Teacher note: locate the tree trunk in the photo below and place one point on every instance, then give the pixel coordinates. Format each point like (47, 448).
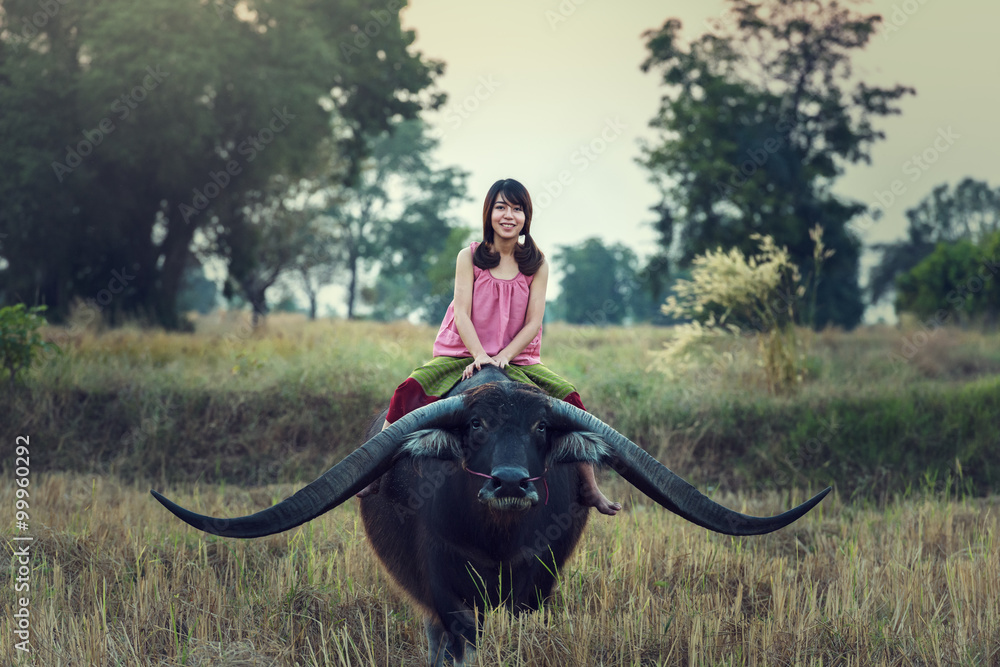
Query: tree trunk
(257, 318)
(255, 290)
(353, 284)
(311, 293)
(167, 281)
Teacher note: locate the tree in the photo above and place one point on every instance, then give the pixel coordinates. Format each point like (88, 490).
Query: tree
(970, 210)
(956, 283)
(263, 243)
(417, 271)
(393, 223)
(129, 129)
(319, 260)
(756, 127)
(280, 233)
(599, 283)
(395, 220)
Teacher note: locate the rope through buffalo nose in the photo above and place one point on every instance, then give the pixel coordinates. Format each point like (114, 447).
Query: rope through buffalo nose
(545, 482)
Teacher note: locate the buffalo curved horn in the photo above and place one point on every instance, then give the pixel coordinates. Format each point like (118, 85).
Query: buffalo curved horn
(668, 489)
(353, 473)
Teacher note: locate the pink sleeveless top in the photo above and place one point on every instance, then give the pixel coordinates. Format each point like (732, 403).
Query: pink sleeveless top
(499, 309)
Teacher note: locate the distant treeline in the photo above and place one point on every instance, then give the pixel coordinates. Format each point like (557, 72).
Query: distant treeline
(161, 156)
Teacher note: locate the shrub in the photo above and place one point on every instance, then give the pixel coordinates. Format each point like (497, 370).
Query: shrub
(20, 340)
(732, 294)
(957, 283)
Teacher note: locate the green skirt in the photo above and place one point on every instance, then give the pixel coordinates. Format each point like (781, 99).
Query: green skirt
(435, 378)
(440, 374)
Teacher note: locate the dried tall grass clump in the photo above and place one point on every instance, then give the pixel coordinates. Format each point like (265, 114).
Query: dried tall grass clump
(732, 294)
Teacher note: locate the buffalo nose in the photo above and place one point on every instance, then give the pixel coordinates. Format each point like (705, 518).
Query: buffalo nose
(510, 481)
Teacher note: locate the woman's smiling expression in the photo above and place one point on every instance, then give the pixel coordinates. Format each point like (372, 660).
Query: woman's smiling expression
(508, 219)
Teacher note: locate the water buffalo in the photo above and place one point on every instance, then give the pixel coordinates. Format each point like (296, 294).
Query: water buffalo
(478, 507)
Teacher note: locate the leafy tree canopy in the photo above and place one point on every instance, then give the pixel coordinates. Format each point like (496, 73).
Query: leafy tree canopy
(396, 220)
(970, 210)
(599, 284)
(263, 242)
(757, 124)
(957, 283)
(131, 131)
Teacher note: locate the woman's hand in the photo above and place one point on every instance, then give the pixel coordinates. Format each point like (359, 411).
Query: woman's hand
(502, 360)
(477, 363)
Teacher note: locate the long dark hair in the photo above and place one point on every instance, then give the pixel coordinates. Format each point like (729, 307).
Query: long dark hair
(527, 254)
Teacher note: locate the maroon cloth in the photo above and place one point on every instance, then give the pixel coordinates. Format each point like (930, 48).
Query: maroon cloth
(574, 400)
(410, 395)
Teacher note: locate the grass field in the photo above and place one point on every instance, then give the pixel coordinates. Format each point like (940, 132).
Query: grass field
(906, 572)
(116, 580)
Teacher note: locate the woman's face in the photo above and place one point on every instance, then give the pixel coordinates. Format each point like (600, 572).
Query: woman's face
(508, 219)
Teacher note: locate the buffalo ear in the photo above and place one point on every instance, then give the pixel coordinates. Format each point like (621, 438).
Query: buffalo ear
(433, 443)
(577, 446)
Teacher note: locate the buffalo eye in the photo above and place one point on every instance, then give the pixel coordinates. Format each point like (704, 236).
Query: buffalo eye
(476, 424)
(541, 427)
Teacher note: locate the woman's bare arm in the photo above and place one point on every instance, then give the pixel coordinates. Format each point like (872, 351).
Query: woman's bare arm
(532, 318)
(464, 279)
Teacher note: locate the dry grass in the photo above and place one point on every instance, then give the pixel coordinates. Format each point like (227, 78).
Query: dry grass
(116, 580)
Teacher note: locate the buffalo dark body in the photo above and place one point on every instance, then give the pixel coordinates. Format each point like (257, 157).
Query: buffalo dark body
(452, 553)
(478, 503)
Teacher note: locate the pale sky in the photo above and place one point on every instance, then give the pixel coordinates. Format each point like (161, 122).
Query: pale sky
(548, 90)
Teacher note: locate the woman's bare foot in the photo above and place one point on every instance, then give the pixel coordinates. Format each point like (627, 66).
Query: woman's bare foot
(591, 493)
